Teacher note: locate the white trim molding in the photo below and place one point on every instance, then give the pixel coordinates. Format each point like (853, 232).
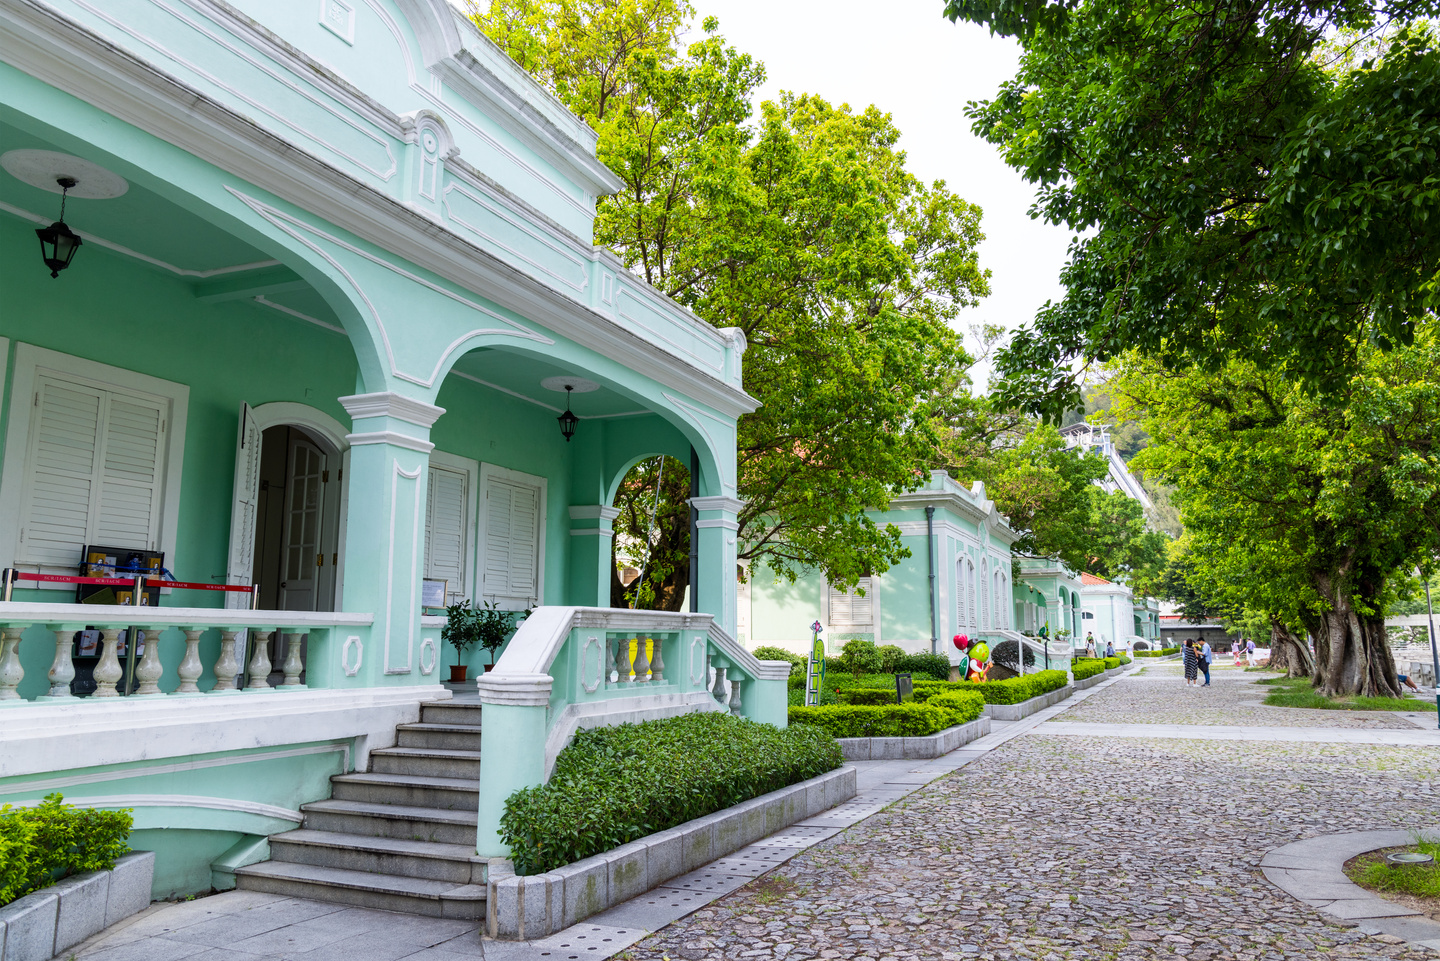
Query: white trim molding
(394, 438)
(390, 404)
(721, 503)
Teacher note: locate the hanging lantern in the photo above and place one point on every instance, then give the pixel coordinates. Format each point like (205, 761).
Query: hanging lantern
(567, 420)
(58, 242)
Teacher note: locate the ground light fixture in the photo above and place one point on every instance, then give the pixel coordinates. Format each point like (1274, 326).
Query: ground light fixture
(567, 420)
(58, 242)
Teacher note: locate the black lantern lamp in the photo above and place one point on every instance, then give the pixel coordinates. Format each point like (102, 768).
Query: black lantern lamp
(568, 420)
(58, 242)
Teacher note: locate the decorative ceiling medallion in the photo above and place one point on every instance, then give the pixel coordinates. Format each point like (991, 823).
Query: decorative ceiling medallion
(578, 385)
(44, 168)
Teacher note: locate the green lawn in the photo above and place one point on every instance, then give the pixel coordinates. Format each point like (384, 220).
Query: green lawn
(1420, 880)
(1296, 692)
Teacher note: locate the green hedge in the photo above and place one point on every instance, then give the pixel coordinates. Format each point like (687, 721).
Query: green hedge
(614, 785)
(53, 840)
(797, 663)
(865, 695)
(1009, 691)
(1083, 667)
(1112, 662)
(1163, 652)
(893, 720)
(1125, 659)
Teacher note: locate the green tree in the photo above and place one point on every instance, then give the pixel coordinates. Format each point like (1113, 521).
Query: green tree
(652, 534)
(1301, 507)
(1240, 187)
(806, 232)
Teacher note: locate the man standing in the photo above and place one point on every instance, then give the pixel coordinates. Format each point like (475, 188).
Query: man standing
(1206, 656)
(1250, 651)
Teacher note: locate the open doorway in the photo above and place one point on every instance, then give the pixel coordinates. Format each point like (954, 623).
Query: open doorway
(297, 521)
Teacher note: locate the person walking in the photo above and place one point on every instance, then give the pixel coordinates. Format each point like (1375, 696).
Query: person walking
(1089, 645)
(1250, 651)
(1109, 648)
(1235, 650)
(1191, 662)
(1206, 655)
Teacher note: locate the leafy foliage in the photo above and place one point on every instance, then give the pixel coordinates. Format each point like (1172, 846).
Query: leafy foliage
(797, 663)
(1012, 690)
(866, 695)
(652, 532)
(614, 785)
(1084, 668)
(892, 720)
(48, 842)
(860, 657)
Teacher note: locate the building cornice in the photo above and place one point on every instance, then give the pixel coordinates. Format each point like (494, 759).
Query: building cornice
(68, 56)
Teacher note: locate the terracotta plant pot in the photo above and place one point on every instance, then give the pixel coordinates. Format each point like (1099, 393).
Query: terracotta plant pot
(489, 668)
(457, 674)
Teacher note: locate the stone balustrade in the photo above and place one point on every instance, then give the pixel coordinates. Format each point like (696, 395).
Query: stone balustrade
(243, 663)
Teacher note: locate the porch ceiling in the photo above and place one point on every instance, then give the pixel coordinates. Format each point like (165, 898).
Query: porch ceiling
(520, 375)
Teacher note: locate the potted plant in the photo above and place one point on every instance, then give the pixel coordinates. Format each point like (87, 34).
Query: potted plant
(495, 626)
(462, 630)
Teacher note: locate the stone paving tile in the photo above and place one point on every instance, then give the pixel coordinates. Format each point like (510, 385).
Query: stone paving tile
(1079, 849)
(1156, 697)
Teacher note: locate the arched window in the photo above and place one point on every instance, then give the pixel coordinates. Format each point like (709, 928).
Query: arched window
(984, 593)
(960, 582)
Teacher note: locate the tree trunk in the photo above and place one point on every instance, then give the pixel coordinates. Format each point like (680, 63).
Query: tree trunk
(1353, 653)
(1288, 651)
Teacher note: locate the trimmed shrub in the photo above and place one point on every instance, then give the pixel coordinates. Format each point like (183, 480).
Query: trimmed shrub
(1005, 653)
(769, 653)
(966, 705)
(935, 665)
(865, 695)
(890, 655)
(860, 657)
(1125, 659)
(891, 720)
(1009, 691)
(1083, 667)
(53, 840)
(1112, 662)
(614, 785)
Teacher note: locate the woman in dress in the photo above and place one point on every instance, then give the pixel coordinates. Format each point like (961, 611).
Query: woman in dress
(1192, 662)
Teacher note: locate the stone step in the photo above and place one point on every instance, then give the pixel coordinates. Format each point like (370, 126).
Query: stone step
(436, 899)
(450, 737)
(426, 762)
(456, 863)
(454, 711)
(368, 819)
(455, 794)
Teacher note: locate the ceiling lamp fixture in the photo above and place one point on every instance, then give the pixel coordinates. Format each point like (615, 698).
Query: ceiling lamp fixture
(567, 420)
(58, 242)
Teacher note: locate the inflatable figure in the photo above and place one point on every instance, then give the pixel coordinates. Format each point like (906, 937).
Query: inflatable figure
(979, 662)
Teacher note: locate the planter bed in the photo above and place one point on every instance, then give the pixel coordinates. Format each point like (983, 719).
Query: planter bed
(1014, 712)
(539, 905)
(1089, 682)
(52, 920)
(935, 745)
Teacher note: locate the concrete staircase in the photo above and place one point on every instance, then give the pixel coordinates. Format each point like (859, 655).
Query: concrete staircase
(400, 837)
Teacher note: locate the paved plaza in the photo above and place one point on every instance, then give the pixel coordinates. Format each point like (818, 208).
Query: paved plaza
(1070, 835)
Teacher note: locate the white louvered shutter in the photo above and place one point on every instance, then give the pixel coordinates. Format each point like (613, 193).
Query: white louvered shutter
(95, 472)
(512, 543)
(849, 609)
(445, 524)
(240, 568)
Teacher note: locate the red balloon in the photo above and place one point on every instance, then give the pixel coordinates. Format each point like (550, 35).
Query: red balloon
(961, 641)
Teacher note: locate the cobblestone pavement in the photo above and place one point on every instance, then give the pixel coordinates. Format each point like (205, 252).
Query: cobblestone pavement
(1071, 848)
(1159, 696)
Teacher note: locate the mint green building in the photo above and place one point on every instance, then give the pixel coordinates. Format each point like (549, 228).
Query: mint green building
(334, 293)
(953, 532)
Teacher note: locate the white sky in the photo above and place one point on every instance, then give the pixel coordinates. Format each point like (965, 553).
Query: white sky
(909, 61)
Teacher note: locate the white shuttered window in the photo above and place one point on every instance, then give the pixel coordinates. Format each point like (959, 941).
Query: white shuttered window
(849, 609)
(446, 524)
(94, 471)
(513, 521)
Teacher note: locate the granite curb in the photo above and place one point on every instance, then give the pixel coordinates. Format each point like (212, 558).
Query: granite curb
(1313, 871)
(52, 920)
(906, 748)
(537, 906)
(1014, 712)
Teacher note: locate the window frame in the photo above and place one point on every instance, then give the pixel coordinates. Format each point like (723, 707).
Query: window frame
(30, 361)
(471, 469)
(496, 472)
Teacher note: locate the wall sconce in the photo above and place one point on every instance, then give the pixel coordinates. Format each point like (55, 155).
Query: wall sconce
(58, 242)
(567, 420)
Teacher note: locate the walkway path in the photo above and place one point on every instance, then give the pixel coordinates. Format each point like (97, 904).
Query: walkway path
(1115, 832)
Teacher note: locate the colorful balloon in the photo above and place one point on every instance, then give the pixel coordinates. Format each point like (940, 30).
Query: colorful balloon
(961, 641)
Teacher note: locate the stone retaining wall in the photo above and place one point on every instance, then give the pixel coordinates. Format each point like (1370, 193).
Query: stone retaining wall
(896, 748)
(1014, 712)
(541, 904)
(52, 920)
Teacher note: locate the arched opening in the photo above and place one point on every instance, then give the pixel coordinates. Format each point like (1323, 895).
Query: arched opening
(651, 552)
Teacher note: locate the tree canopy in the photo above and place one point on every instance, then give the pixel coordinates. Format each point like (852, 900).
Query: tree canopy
(1241, 186)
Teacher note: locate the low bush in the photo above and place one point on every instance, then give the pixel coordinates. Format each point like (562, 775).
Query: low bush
(1083, 667)
(768, 653)
(1125, 659)
(1113, 662)
(945, 709)
(53, 840)
(865, 695)
(933, 665)
(613, 785)
(860, 657)
(1009, 691)
(890, 655)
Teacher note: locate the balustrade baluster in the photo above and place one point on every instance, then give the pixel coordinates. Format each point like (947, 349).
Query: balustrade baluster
(718, 690)
(190, 668)
(642, 663)
(107, 669)
(148, 671)
(612, 672)
(657, 664)
(11, 671)
(259, 662)
(735, 696)
(62, 670)
(623, 660)
(226, 666)
(293, 665)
